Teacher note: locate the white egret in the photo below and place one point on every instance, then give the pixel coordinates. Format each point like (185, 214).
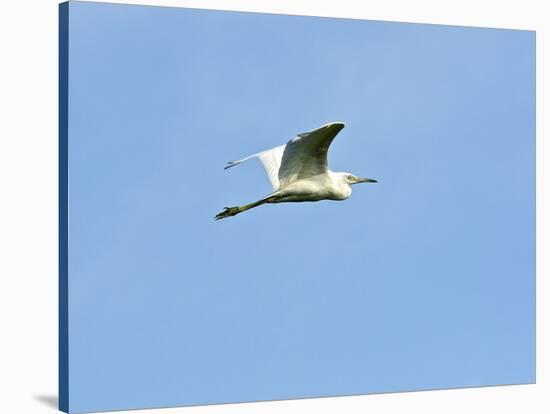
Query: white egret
(299, 171)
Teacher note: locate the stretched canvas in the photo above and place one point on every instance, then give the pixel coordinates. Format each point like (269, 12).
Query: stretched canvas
(422, 280)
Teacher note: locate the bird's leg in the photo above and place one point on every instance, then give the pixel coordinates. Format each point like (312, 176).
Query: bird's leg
(233, 211)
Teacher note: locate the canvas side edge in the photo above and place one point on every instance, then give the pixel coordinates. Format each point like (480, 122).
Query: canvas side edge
(63, 385)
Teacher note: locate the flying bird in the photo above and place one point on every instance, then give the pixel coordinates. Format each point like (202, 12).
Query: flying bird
(298, 171)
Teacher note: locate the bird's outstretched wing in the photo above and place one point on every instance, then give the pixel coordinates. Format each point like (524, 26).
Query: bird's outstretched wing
(271, 160)
(306, 155)
(303, 156)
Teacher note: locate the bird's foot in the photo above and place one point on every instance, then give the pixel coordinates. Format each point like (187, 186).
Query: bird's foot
(228, 212)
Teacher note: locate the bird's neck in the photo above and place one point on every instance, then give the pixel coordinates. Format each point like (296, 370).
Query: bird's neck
(341, 184)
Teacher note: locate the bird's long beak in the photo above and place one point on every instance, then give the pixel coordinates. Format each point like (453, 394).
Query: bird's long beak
(365, 180)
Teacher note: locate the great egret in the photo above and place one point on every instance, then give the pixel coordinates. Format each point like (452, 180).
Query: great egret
(298, 171)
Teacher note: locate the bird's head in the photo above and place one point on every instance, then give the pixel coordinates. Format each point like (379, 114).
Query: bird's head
(353, 179)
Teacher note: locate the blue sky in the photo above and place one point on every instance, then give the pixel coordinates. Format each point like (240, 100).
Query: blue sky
(425, 280)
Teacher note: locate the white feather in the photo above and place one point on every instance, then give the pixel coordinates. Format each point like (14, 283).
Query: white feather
(270, 159)
(302, 157)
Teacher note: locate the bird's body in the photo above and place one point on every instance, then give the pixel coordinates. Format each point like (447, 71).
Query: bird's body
(298, 171)
(327, 186)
